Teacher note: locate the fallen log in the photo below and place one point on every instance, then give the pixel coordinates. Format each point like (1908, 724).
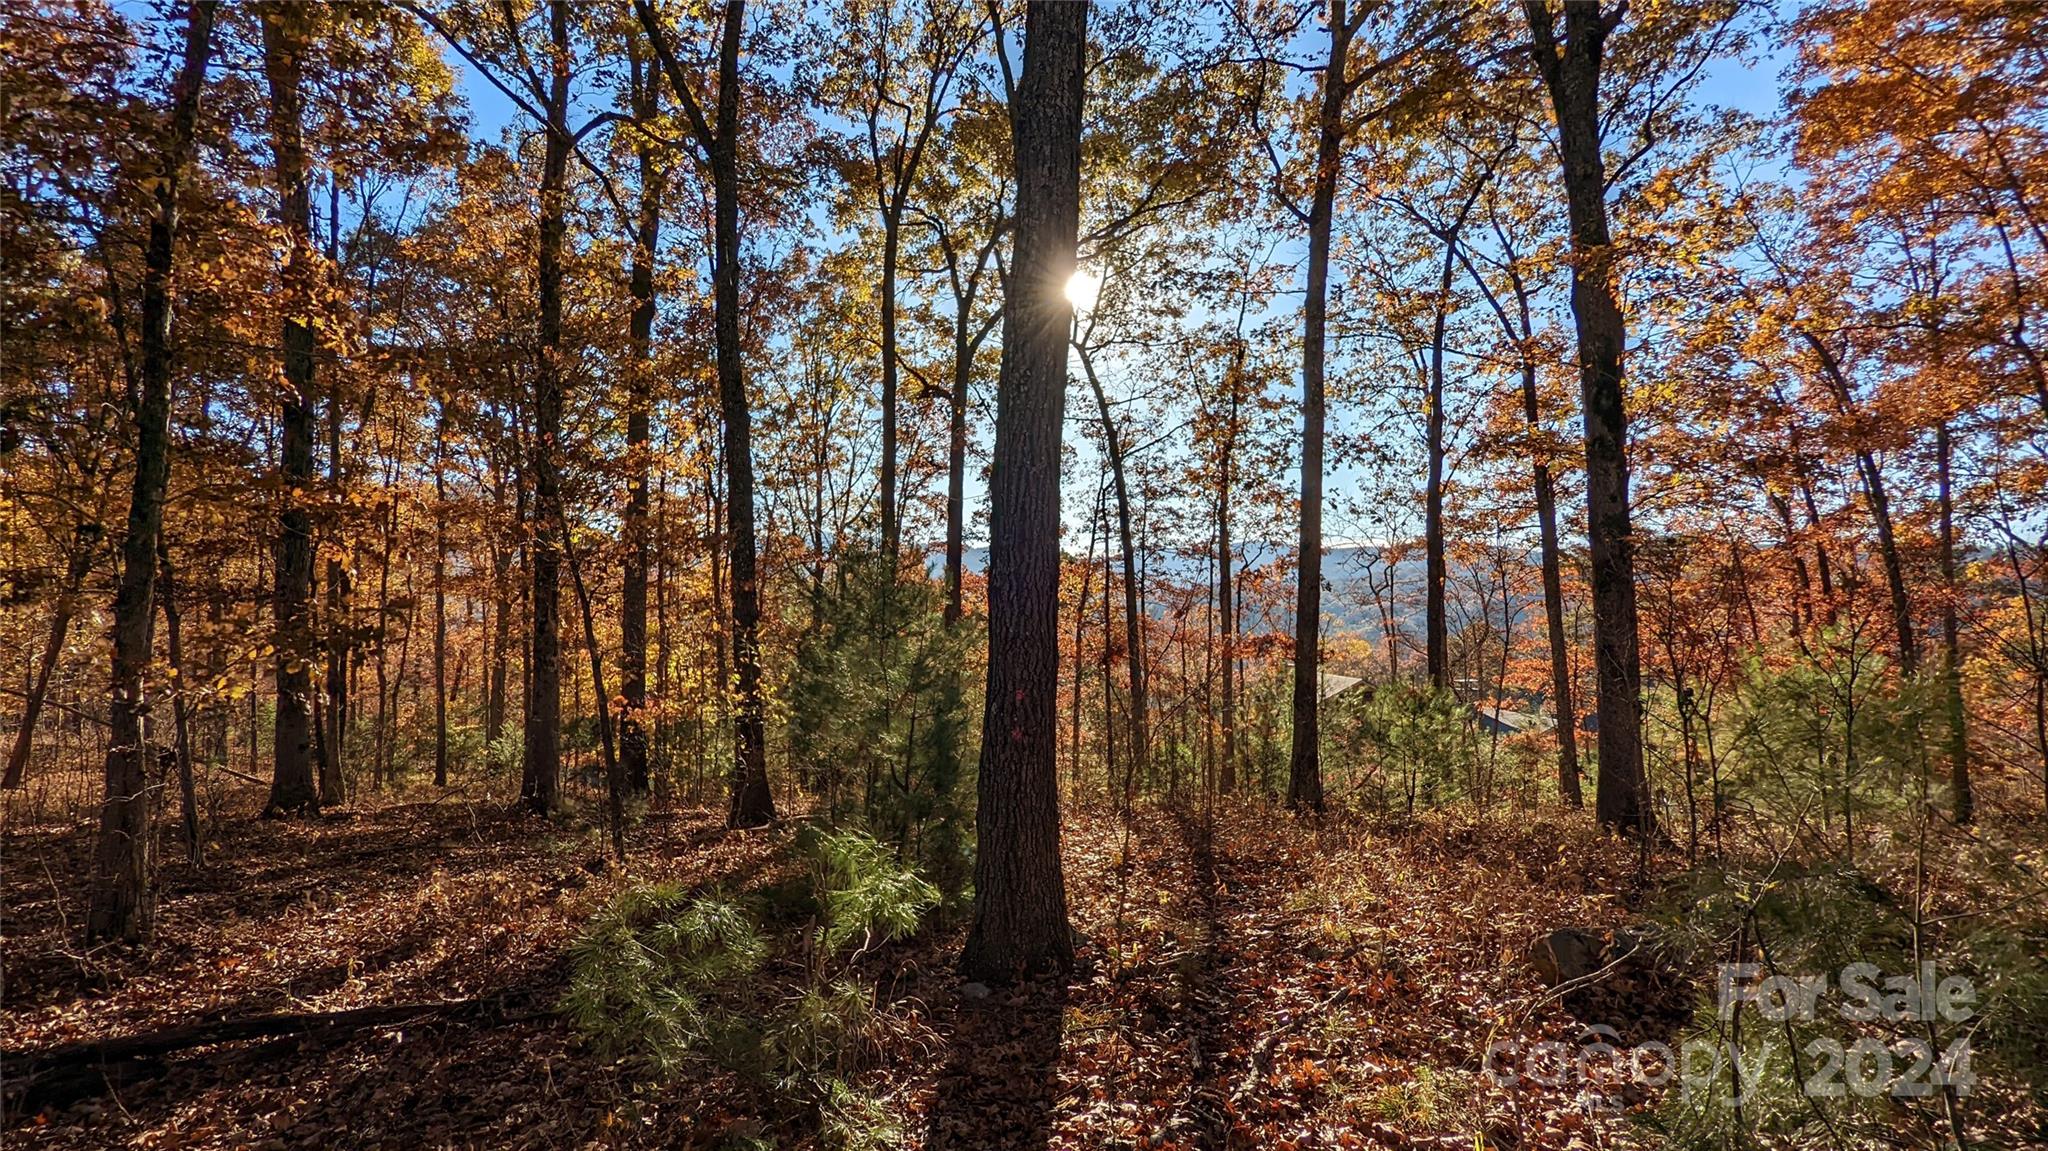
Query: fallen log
(59, 1075)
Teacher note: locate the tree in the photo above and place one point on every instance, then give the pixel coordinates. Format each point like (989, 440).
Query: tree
(644, 92)
(1570, 70)
(965, 214)
(1332, 127)
(1520, 333)
(1305, 759)
(717, 145)
(121, 904)
(293, 789)
(1020, 902)
(907, 61)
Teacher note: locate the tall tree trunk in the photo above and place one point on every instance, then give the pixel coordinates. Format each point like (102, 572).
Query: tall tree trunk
(1436, 621)
(753, 803)
(121, 905)
(1305, 758)
(1080, 666)
(1226, 573)
(956, 469)
(967, 341)
(501, 633)
(892, 524)
(540, 777)
(1571, 73)
(333, 783)
(1134, 634)
(84, 542)
(441, 600)
(1550, 557)
(1020, 898)
(293, 788)
(646, 84)
(1553, 613)
(1951, 662)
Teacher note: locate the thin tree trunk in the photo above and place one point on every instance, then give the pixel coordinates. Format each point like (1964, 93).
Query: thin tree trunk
(1305, 758)
(1571, 73)
(1134, 635)
(956, 474)
(1965, 804)
(1549, 552)
(122, 907)
(1436, 623)
(614, 770)
(181, 707)
(753, 803)
(294, 789)
(441, 600)
(967, 341)
(501, 636)
(1020, 903)
(1226, 571)
(892, 526)
(1879, 502)
(333, 782)
(541, 772)
(646, 85)
(1080, 667)
(85, 542)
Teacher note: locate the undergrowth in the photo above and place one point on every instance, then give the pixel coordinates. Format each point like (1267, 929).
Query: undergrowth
(663, 977)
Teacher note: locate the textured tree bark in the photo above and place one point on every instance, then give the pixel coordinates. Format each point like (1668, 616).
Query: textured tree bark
(121, 905)
(646, 84)
(293, 788)
(541, 768)
(1571, 73)
(1020, 899)
(1305, 757)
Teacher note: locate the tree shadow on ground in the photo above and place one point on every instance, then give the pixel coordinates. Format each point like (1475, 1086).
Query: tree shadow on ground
(1207, 996)
(1001, 1085)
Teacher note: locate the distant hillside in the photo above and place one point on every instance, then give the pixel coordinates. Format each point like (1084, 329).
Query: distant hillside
(1347, 595)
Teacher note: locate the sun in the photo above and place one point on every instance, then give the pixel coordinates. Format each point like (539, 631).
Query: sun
(1083, 288)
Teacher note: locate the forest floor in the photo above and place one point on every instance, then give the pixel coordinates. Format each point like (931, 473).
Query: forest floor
(1269, 984)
